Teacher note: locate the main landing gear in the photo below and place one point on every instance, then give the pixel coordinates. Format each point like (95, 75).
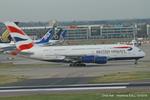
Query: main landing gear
(77, 64)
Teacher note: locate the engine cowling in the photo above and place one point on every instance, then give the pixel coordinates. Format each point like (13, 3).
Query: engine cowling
(94, 59)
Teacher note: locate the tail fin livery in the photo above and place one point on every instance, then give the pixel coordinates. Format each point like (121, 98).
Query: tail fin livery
(21, 40)
(63, 34)
(59, 34)
(45, 38)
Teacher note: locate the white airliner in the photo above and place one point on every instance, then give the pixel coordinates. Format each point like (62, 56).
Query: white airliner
(76, 55)
(7, 46)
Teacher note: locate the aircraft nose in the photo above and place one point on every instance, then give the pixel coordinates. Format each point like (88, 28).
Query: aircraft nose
(144, 53)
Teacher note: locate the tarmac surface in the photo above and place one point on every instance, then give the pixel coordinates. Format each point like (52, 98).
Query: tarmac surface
(46, 89)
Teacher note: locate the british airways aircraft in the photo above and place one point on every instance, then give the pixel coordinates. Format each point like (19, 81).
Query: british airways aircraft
(76, 55)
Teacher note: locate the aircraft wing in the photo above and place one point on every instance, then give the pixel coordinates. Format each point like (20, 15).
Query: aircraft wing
(73, 58)
(7, 49)
(86, 58)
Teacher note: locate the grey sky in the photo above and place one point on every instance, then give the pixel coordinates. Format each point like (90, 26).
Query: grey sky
(69, 10)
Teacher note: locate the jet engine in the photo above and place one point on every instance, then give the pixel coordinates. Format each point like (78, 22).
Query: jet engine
(94, 59)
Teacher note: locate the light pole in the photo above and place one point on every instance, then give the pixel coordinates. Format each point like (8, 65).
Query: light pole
(135, 32)
(148, 30)
(101, 30)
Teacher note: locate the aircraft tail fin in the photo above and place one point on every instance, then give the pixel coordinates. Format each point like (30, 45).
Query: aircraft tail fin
(22, 41)
(63, 34)
(59, 34)
(46, 37)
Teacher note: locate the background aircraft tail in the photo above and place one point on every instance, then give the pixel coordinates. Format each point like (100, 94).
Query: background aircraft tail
(63, 34)
(21, 40)
(48, 36)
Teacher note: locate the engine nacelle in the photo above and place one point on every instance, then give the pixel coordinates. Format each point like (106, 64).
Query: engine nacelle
(94, 59)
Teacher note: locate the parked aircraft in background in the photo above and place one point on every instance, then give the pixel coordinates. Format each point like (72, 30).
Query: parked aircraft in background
(49, 38)
(7, 46)
(11, 46)
(45, 39)
(58, 37)
(76, 55)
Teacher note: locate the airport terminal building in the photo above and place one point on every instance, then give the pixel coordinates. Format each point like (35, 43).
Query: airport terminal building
(100, 32)
(88, 31)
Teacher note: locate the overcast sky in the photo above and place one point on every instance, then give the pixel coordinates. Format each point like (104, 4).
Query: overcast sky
(70, 10)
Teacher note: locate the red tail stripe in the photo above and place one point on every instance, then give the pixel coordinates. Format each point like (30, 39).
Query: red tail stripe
(16, 30)
(25, 46)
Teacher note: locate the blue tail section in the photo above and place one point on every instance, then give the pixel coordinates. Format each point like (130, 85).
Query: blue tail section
(50, 35)
(63, 34)
(44, 40)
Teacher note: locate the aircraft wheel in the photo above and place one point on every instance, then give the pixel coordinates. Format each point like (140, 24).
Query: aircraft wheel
(77, 64)
(136, 61)
(82, 64)
(71, 64)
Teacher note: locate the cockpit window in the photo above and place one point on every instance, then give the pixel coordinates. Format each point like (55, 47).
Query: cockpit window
(130, 49)
(140, 50)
